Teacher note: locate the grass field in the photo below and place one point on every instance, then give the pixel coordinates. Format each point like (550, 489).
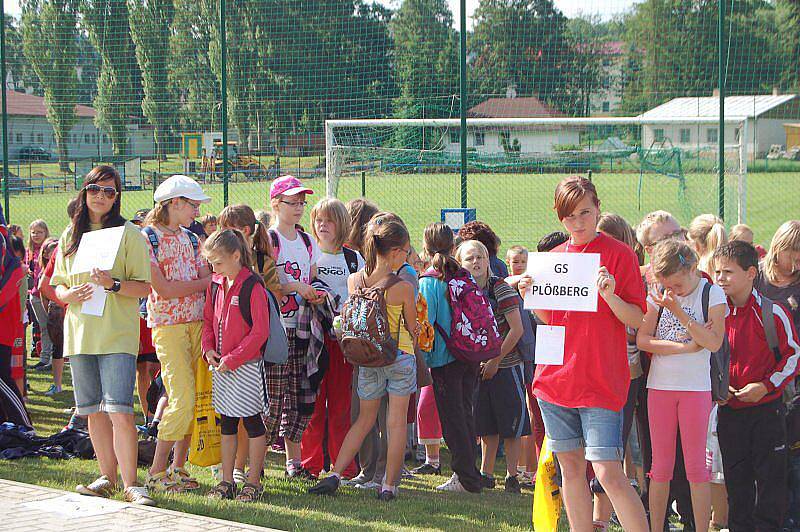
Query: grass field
(517, 206)
(287, 506)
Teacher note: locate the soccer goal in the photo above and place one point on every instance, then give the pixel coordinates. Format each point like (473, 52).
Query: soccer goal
(513, 164)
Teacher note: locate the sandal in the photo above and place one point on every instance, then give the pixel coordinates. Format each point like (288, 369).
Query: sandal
(250, 493)
(223, 490)
(182, 477)
(161, 482)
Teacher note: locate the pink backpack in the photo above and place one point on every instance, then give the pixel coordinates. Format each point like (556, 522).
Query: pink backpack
(473, 336)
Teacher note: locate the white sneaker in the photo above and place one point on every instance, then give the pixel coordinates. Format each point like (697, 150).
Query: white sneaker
(452, 485)
(138, 495)
(369, 485)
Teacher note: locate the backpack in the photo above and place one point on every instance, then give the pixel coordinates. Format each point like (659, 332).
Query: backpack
(720, 359)
(526, 346)
(351, 259)
(366, 338)
(276, 243)
(427, 333)
(153, 238)
(473, 335)
(276, 348)
(768, 320)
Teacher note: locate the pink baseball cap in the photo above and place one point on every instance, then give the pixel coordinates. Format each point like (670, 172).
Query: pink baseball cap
(287, 185)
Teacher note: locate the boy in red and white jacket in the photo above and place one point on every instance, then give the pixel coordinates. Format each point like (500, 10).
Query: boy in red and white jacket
(751, 427)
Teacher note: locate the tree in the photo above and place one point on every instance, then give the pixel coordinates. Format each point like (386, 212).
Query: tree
(524, 43)
(17, 66)
(118, 86)
(151, 23)
(49, 37)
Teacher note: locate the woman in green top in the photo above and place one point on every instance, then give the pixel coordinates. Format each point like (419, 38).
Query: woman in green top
(102, 349)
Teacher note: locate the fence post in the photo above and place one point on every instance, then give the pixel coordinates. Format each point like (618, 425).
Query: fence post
(721, 138)
(363, 184)
(4, 109)
(463, 103)
(224, 60)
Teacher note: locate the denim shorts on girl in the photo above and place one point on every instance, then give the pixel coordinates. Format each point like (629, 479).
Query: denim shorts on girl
(103, 383)
(597, 430)
(398, 378)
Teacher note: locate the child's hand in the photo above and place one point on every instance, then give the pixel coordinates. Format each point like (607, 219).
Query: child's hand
(666, 300)
(307, 292)
(606, 284)
(222, 366)
(751, 393)
(524, 284)
(489, 369)
(212, 357)
(78, 294)
(321, 295)
(102, 278)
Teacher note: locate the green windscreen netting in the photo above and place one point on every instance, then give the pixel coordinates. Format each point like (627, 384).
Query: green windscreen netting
(139, 84)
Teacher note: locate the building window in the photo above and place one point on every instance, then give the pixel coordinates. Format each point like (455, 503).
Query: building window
(659, 135)
(455, 136)
(87, 139)
(19, 138)
(686, 136)
(606, 82)
(105, 138)
(712, 134)
(606, 62)
(480, 139)
(39, 138)
(606, 107)
(30, 137)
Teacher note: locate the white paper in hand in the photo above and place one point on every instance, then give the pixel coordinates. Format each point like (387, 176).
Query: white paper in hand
(97, 304)
(98, 249)
(550, 345)
(563, 281)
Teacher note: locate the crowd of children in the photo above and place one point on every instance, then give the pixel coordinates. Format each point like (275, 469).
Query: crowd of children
(381, 343)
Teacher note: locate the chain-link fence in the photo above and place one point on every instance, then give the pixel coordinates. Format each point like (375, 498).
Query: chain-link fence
(236, 92)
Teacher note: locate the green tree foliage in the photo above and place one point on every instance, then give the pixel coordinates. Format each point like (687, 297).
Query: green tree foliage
(524, 43)
(151, 23)
(49, 38)
(118, 98)
(17, 66)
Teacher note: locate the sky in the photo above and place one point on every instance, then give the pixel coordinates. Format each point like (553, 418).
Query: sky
(605, 8)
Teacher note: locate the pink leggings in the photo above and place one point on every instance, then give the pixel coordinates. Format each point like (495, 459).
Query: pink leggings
(428, 427)
(667, 411)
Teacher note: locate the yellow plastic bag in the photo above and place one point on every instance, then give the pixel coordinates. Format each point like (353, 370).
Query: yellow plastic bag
(546, 494)
(204, 449)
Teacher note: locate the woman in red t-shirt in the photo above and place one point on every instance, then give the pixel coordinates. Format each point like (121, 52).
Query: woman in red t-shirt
(582, 399)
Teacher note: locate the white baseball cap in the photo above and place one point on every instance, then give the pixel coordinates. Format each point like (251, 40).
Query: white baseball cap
(180, 186)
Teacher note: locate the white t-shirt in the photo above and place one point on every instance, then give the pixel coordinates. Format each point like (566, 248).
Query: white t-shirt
(294, 264)
(690, 372)
(334, 271)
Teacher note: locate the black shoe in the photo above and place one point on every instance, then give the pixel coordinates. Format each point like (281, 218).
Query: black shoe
(45, 368)
(326, 486)
(512, 485)
(488, 481)
(299, 473)
(427, 469)
(386, 496)
(37, 365)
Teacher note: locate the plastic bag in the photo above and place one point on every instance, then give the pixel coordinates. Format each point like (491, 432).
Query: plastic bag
(204, 449)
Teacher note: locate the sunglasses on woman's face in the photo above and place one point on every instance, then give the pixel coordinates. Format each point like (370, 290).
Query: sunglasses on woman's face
(108, 192)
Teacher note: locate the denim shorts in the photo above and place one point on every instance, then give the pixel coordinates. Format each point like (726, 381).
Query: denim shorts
(398, 378)
(103, 383)
(597, 430)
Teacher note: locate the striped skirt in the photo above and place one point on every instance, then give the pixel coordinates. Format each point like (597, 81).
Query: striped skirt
(239, 393)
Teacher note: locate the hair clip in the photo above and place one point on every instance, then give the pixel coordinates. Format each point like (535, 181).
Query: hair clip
(683, 260)
(257, 223)
(378, 220)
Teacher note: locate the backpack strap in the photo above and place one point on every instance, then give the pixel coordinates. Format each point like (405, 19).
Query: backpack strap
(770, 331)
(705, 298)
(276, 242)
(153, 238)
(193, 239)
(351, 259)
(360, 281)
(260, 261)
(245, 295)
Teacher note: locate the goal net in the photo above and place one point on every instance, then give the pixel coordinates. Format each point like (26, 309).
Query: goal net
(413, 167)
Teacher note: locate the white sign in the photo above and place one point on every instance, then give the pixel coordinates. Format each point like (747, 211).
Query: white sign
(98, 249)
(563, 281)
(550, 345)
(97, 303)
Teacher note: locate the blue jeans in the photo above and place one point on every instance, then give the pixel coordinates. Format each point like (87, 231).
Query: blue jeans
(398, 378)
(597, 430)
(103, 383)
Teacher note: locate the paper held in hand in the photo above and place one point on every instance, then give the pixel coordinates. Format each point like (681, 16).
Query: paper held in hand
(563, 281)
(98, 249)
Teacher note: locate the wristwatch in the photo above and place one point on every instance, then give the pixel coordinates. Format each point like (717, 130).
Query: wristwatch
(115, 287)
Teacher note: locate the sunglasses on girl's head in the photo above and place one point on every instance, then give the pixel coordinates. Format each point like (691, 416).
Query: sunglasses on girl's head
(109, 192)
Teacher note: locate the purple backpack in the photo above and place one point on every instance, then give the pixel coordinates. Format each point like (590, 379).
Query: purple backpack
(473, 336)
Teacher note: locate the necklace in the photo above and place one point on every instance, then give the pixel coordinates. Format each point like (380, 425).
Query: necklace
(170, 231)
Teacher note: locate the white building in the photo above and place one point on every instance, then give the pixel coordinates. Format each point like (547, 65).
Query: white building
(28, 127)
(766, 116)
(607, 98)
(493, 140)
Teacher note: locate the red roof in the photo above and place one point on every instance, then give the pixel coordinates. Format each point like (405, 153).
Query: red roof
(528, 107)
(21, 104)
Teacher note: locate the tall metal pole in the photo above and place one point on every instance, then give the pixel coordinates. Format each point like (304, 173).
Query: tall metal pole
(224, 53)
(4, 110)
(721, 81)
(463, 102)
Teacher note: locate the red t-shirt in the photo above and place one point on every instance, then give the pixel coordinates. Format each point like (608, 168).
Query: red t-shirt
(595, 373)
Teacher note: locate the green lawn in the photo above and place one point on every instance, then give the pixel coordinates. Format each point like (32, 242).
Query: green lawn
(286, 505)
(517, 206)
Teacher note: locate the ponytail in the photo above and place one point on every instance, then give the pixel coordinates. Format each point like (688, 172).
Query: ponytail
(438, 243)
(240, 216)
(229, 241)
(385, 232)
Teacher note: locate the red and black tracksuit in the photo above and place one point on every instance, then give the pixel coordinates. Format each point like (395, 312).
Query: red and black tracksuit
(752, 436)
